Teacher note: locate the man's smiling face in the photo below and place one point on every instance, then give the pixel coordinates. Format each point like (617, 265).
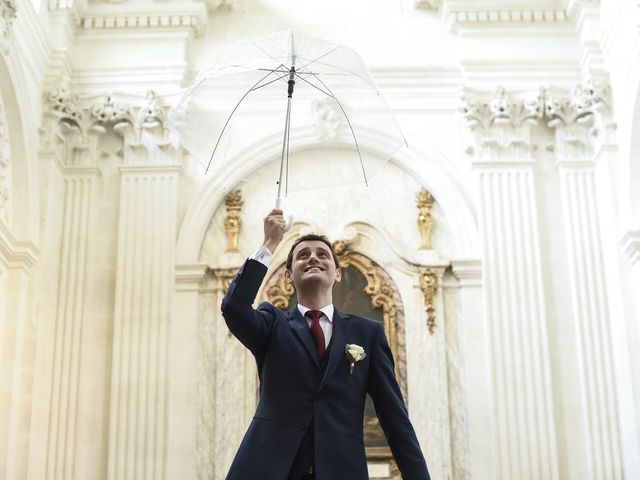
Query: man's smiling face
(312, 264)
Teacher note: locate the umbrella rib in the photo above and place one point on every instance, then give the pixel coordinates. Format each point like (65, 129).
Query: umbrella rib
(229, 118)
(364, 173)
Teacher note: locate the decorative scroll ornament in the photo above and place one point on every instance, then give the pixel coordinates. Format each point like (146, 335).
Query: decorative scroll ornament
(428, 285)
(425, 219)
(8, 14)
(232, 222)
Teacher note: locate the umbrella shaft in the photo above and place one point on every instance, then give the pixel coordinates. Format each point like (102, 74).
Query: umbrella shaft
(291, 81)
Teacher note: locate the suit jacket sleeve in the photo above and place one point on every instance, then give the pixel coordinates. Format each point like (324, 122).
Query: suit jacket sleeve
(392, 412)
(251, 327)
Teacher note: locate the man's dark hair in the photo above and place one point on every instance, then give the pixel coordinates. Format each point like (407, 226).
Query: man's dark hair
(311, 237)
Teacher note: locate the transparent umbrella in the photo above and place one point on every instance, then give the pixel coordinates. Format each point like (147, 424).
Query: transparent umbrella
(323, 96)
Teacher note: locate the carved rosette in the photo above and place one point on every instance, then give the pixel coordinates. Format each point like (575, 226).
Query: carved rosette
(424, 201)
(428, 285)
(232, 223)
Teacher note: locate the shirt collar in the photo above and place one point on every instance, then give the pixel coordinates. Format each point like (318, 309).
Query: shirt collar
(328, 310)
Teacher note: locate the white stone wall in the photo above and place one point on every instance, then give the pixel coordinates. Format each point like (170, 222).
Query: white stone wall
(114, 359)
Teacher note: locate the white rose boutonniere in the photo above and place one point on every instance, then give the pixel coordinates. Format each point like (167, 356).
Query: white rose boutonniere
(354, 353)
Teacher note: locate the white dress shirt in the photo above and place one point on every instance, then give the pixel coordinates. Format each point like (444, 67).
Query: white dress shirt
(264, 256)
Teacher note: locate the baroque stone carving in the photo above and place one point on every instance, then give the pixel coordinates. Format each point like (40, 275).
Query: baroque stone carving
(232, 222)
(428, 285)
(580, 119)
(579, 116)
(425, 219)
(76, 125)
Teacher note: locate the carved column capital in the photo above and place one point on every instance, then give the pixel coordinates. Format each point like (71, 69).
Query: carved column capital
(501, 124)
(581, 120)
(73, 128)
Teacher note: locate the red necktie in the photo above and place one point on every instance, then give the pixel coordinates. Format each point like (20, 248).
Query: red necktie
(316, 330)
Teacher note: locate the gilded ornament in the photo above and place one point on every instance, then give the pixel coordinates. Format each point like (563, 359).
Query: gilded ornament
(425, 219)
(232, 222)
(428, 285)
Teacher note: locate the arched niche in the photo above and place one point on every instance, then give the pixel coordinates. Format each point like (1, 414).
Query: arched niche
(21, 152)
(420, 162)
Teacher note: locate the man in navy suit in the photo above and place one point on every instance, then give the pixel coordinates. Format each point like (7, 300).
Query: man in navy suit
(316, 365)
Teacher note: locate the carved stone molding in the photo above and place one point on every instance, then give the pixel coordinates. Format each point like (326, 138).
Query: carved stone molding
(498, 13)
(232, 223)
(15, 254)
(5, 168)
(429, 285)
(8, 14)
(424, 202)
(630, 244)
(73, 127)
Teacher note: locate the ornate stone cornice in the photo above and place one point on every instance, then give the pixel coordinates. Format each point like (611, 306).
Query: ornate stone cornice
(122, 15)
(188, 15)
(190, 277)
(460, 14)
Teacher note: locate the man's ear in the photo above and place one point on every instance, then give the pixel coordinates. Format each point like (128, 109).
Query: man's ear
(338, 275)
(287, 276)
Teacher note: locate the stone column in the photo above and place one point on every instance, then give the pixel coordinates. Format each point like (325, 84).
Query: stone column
(523, 434)
(69, 156)
(144, 301)
(17, 332)
(185, 374)
(469, 428)
(572, 117)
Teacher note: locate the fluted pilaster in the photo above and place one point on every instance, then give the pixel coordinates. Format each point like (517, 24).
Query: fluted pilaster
(143, 310)
(572, 117)
(78, 205)
(523, 433)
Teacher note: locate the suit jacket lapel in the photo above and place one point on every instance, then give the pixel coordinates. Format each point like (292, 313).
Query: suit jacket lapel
(299, 325)
(341, 326)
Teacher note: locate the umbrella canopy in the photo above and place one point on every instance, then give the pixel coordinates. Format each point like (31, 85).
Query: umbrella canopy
(322, 95)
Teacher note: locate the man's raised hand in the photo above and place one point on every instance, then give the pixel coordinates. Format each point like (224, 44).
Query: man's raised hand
(273, 229)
